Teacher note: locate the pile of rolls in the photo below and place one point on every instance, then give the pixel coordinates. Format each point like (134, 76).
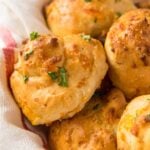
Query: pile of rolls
(88, 80)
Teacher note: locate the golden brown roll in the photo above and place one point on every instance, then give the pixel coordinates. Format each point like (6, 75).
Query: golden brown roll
(128, 51)
(54, 78)
(94, 128)
(134, 127)
(92, 17)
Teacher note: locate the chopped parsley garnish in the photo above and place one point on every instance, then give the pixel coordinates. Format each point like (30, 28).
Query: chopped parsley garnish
(25, 78)
(63, 77)
(53, 75)
(148, 99)
(60, 77)
(95, 20)
(86, 37)
(147, 118)
(34, 35)
(117, 0)
(119, 14)
(27, 54)
(88, 0)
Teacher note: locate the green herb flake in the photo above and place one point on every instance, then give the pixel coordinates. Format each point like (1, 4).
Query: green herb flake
(28, 54)
(119, 14)
(63, 81)
(60, 76)
(148, 99)
(53, 75)
(25, 78)
(34, 35)
(95, 20)
(88, 0)
(86, 37)
(117, 1)
(147, 118)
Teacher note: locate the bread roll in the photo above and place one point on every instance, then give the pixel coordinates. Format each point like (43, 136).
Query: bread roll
(92, 17)
(54, 77)
(94, 128)
(134, 127)
(128, 51)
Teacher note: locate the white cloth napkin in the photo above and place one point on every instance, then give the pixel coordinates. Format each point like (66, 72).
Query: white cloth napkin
(17, 19)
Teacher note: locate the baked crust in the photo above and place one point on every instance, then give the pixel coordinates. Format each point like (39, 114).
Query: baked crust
(134, 127)
(91, 129)
(42, 99)
(82, 16)
(128, 52)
